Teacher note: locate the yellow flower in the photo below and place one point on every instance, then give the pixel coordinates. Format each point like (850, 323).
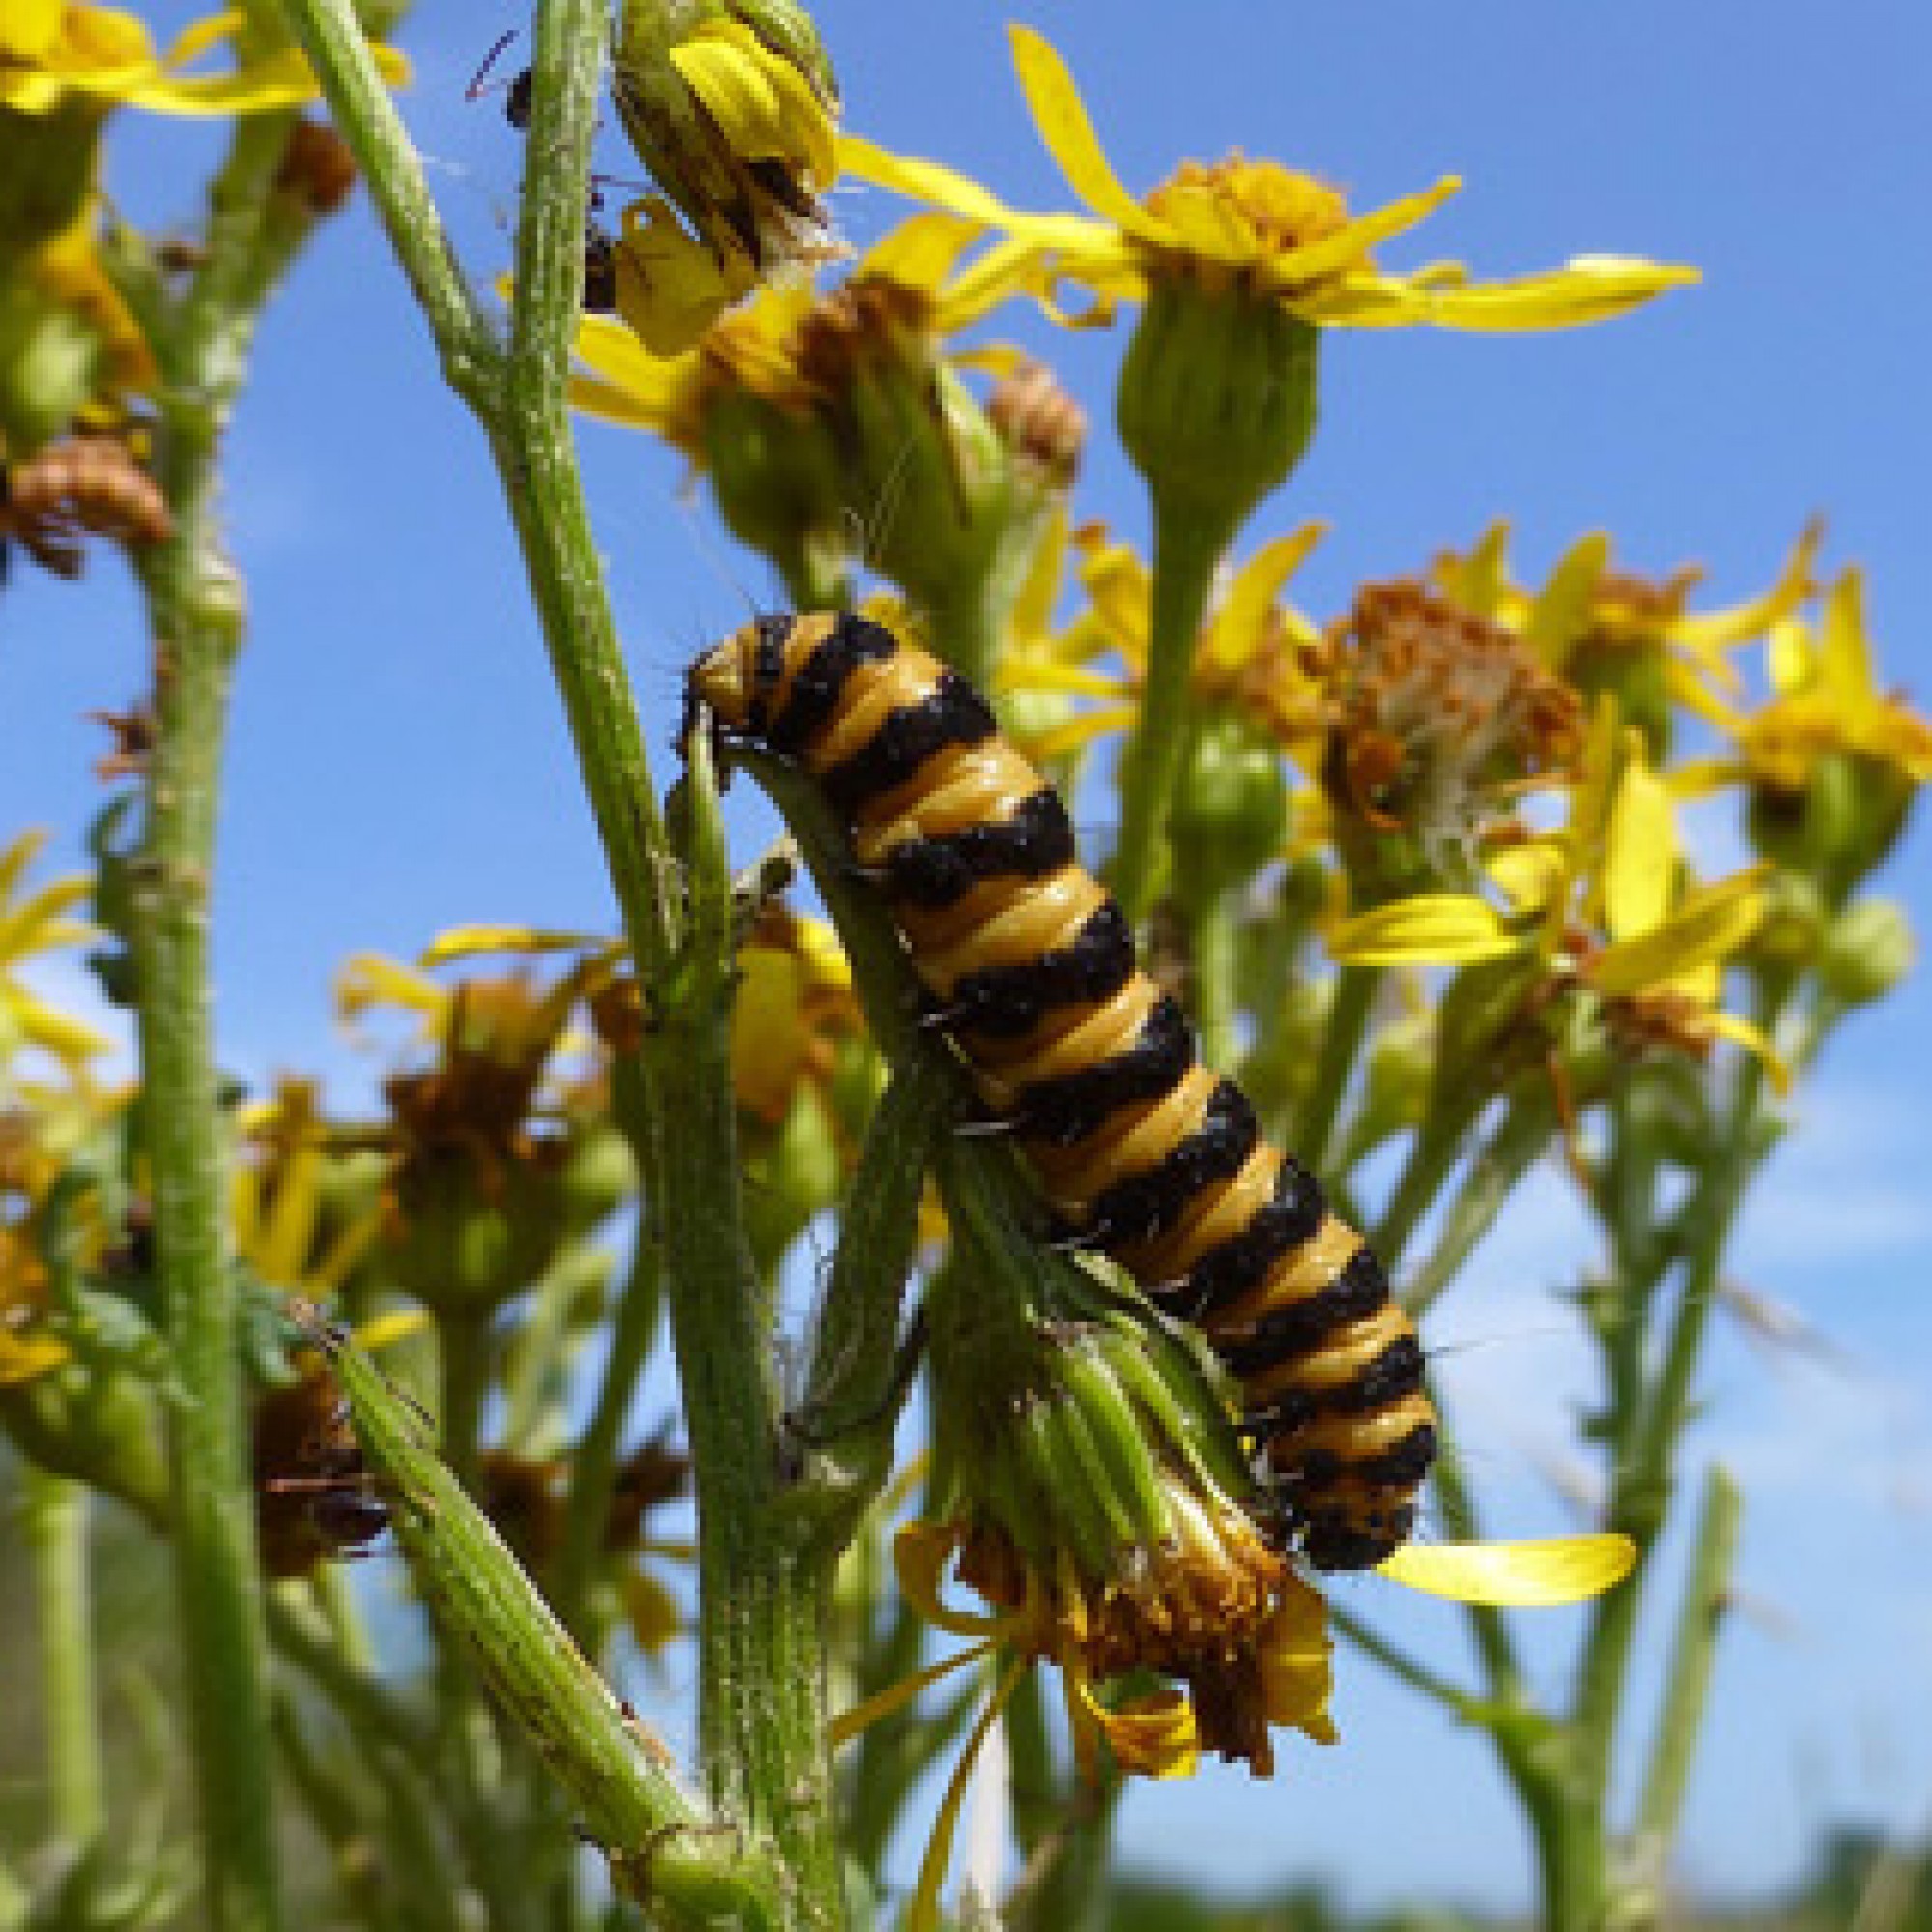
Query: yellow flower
(55, 51)
(1254, 649)
(1825, 700)
(38, 923)
(301, 1214)
(1605, 907)
(761, 349)
(1283, 235)
(1601, 628)
(1283, 1679)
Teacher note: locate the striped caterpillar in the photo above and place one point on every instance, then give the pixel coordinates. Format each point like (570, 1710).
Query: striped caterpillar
(1143, 1154)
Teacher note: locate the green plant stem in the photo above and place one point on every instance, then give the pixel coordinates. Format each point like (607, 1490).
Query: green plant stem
(54, 1512)
(195, 615)
(1214, 962)
(1186, 550)
(966, 630)
(518, 398)
(762, 1657)
(695, 1867)
(1641, 1492)
(1692, 1652)
(1354, 998)
(763, 1595)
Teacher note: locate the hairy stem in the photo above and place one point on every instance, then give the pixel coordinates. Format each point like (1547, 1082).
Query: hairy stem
(194, 611)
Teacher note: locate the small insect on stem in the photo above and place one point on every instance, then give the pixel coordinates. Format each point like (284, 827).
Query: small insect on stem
(516, 104)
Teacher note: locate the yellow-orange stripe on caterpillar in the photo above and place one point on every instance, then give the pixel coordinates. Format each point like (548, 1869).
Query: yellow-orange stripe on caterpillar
(1143, 1153)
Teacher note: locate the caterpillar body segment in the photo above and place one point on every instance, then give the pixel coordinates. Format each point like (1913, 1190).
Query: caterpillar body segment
(1141, 1153)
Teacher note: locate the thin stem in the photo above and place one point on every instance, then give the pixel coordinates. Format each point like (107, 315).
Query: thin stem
(195, 615)
(54, 1512)
(1214, 962)
(1692, 1652)
(1641, 1496)
(1186, 550)
(331, 35)
(1354, 997)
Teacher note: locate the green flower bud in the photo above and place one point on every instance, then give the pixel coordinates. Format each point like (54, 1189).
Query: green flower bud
(1841, 827)
(470, 1236)
(1868, 951)
(1217, 399)
(776, 477)
(730, 108)
(1229, 814)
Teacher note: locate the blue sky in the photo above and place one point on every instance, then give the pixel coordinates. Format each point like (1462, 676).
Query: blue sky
(399, 762)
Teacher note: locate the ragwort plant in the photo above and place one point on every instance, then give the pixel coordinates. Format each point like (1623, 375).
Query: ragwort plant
(1415, 874)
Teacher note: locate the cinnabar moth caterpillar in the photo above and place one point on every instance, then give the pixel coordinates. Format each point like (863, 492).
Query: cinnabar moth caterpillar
(1143, 1153)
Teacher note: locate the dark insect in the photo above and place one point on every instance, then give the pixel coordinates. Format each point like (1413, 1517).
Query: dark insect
(600, 247)
(315, 1497)
(1143, 1153)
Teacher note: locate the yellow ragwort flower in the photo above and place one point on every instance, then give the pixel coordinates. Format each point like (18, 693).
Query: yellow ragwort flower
(1282, 1679)
(1254, 649)
(1605, 906)
(1280, 232)
(52, 51)
(1596, 625)
(30, 926)
(1826, 700)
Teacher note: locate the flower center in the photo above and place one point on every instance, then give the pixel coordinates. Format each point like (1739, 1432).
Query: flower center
(1286, 210)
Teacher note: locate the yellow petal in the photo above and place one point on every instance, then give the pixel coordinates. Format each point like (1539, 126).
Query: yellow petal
(920, 1553)
(1445, 928)
(1061, 117)
(763, 106)
(1561, 612)
(1530, 873)
(861, 1716)
(1843, 665)
(1589, 289)
(17, 856)
(1237, 628)
(920, 251)
(24, 1357)
(1534, 1575)
(1718, 629)
(370, 980)
(923, 180)
(670, 288)
(1754, 1039)
(47, 1027)
(1155, 1736)
(1477, 582)
(1709, 926)
(1355, 239)
(1640, 859)
(29, 30)
(466, 942)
